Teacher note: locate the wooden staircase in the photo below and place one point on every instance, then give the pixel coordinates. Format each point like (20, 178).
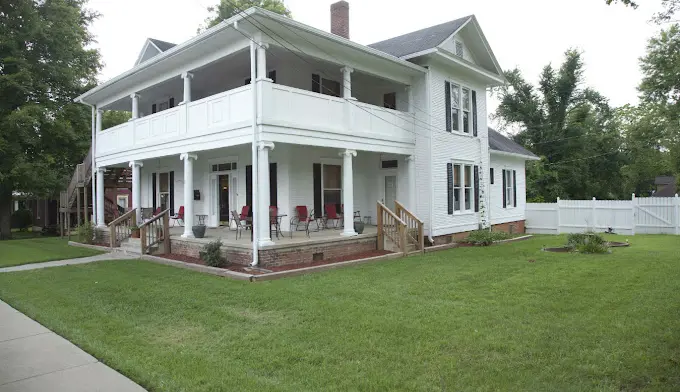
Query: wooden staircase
(76, 199)
(400, 230)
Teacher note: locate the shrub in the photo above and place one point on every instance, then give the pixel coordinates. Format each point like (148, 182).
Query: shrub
(588, 242)
(85, 233)
(21, 219)
(212, 254)
(484, 237)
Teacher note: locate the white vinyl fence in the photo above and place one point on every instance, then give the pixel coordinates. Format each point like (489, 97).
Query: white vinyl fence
(640, 215)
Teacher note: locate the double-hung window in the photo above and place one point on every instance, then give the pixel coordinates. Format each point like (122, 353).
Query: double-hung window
(462, 107)
(332, 184)
(455, 107)
(509, 191)
(462, 188)
(456, 188)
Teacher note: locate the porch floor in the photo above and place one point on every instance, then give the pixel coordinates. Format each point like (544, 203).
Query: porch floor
(228, 236)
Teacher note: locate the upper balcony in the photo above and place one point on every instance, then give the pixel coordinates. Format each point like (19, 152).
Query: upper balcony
(300, 101)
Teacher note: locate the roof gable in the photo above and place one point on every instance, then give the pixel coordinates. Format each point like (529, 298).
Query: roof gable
(476, 49)
(418, 41)
(152, 47)
(500, 143)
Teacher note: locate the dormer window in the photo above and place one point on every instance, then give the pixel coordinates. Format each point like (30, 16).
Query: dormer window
(459, 48)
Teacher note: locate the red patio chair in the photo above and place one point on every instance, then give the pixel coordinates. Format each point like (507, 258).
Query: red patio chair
(332, 215)
(241, 224)
(178, 217)
(157, 212)
(303, 219)
(274, 220)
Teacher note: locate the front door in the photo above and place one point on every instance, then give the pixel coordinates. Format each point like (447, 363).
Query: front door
(223, 197)
(390, 192)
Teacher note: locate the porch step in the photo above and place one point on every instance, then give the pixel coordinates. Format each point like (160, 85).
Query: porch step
(131, 246)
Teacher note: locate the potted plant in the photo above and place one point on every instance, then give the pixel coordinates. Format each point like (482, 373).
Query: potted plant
(198, 230)
(134, 231)
(359, 227)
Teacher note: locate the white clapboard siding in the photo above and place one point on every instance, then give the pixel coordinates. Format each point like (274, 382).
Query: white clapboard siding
(640, 215)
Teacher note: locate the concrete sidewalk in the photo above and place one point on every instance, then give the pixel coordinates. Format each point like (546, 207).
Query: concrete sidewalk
(60, 263)
(33, 358)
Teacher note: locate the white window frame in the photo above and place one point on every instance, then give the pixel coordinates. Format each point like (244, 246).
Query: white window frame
(460, 169)
(509, 191)
(460, 87)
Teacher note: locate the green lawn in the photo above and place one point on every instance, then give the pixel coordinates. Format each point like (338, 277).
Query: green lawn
(503, 318)
(38, 250)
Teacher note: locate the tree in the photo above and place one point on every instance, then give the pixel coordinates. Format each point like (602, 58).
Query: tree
(670, 8)
(111, 118)
(228, 8)
(44, 64)
(569, 127)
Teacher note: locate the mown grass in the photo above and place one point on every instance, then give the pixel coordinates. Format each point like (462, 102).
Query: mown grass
(507, 317)
(38, 250)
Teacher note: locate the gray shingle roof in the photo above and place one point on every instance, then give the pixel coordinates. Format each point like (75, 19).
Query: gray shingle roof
(498, 142)
(420, 40)
(162, 45)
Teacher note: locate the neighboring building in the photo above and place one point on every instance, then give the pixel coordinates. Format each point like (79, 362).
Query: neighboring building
(338, 123)
(666, 186)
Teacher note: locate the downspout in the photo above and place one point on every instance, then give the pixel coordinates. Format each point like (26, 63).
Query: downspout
(256, 213)
(429, 109)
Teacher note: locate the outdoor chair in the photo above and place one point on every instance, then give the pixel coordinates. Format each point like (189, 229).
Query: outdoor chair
(303, 219)
(178, 217)
(157, 212)
(332, 215)
(241, 224)
(245, 214)
(274, 223)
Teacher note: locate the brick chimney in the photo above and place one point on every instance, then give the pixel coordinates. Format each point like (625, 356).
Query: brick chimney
(340, 19)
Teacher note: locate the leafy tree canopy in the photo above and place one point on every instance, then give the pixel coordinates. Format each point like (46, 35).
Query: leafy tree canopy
(670, 8)
(569, 127)
(45, 62)
(228, 8)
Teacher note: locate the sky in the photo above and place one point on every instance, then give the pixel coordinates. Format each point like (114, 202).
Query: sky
(527, 34)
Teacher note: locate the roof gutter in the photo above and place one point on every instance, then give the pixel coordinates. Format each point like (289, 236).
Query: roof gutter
(515, 155)
(167, 54)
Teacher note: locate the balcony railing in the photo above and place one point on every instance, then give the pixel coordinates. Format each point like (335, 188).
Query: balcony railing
(282, 106)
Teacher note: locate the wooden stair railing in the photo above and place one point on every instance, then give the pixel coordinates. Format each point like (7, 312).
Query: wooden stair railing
(155, 231)
(415, 228)
(120, 228)
(392, 227)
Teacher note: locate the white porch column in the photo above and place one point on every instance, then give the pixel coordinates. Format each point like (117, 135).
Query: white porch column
(262, 61)
(187, 76)
(411, 170)
(348, 192)
(347, 82)
(137, 188)
(100, 197)
(262, 225)
(135, 106)
(188, 159)
(98, 126)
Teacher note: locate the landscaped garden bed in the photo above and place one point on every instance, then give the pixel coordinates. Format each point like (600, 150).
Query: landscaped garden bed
(259, 271)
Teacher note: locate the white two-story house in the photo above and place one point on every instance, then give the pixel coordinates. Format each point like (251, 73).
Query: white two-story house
(262, 111)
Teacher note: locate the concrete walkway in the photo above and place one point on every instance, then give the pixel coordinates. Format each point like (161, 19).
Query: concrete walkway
(59, 263)
(33, 358)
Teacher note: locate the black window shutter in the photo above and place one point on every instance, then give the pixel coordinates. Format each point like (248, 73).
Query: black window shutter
(172, 193)
(249, 185)
(505, 201)
(476, 179)
(273, 199)
(153, 108)
(171, 102)
(514, 188)
(316, 83)
(491, 175)
(153, 191)
(317, 190)
(449, 187)
(447, 99)
(272, 76)
(474, 113)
